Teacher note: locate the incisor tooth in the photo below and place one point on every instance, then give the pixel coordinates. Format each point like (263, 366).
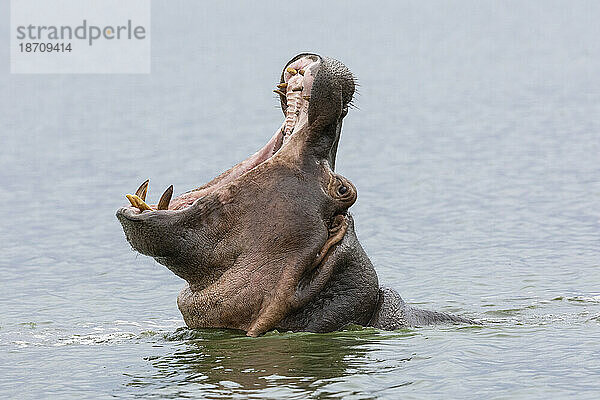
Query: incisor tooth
(297, 89)
(282, 85)
(142, 190)
(137, 202)
(291, 71)
(301, 71)
(165, 199)
(306, 97)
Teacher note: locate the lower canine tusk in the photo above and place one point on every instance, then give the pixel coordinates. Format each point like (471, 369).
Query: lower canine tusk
(138, 202)
(165, 199)
(142, 190)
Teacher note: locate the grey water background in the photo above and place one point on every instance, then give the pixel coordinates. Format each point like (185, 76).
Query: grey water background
(475, 150)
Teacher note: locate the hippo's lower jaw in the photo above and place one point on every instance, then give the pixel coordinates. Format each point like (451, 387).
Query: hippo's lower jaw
(270, 243)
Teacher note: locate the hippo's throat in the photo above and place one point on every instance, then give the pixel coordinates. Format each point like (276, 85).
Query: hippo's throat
(231, 303)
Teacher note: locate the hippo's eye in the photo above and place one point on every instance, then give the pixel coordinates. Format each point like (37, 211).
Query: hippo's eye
(342, 190)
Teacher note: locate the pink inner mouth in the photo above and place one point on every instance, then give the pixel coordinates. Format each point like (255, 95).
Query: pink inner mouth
(187, 199)
(298, 79)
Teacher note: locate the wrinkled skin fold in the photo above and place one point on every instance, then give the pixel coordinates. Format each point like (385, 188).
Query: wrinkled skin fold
(269, 243)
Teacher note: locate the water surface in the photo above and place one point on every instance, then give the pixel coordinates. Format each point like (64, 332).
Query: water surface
(475, 150)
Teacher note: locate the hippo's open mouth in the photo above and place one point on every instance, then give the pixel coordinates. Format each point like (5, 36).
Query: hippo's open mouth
(294, 89)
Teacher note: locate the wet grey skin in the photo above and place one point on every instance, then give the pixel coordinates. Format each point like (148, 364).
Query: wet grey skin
(270, 243)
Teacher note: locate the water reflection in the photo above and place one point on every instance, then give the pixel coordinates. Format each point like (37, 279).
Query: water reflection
(226, 361)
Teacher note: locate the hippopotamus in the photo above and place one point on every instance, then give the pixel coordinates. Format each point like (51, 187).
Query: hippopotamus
(270, 243)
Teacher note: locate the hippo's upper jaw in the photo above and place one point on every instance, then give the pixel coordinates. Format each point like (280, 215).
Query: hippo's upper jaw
(269, 236)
